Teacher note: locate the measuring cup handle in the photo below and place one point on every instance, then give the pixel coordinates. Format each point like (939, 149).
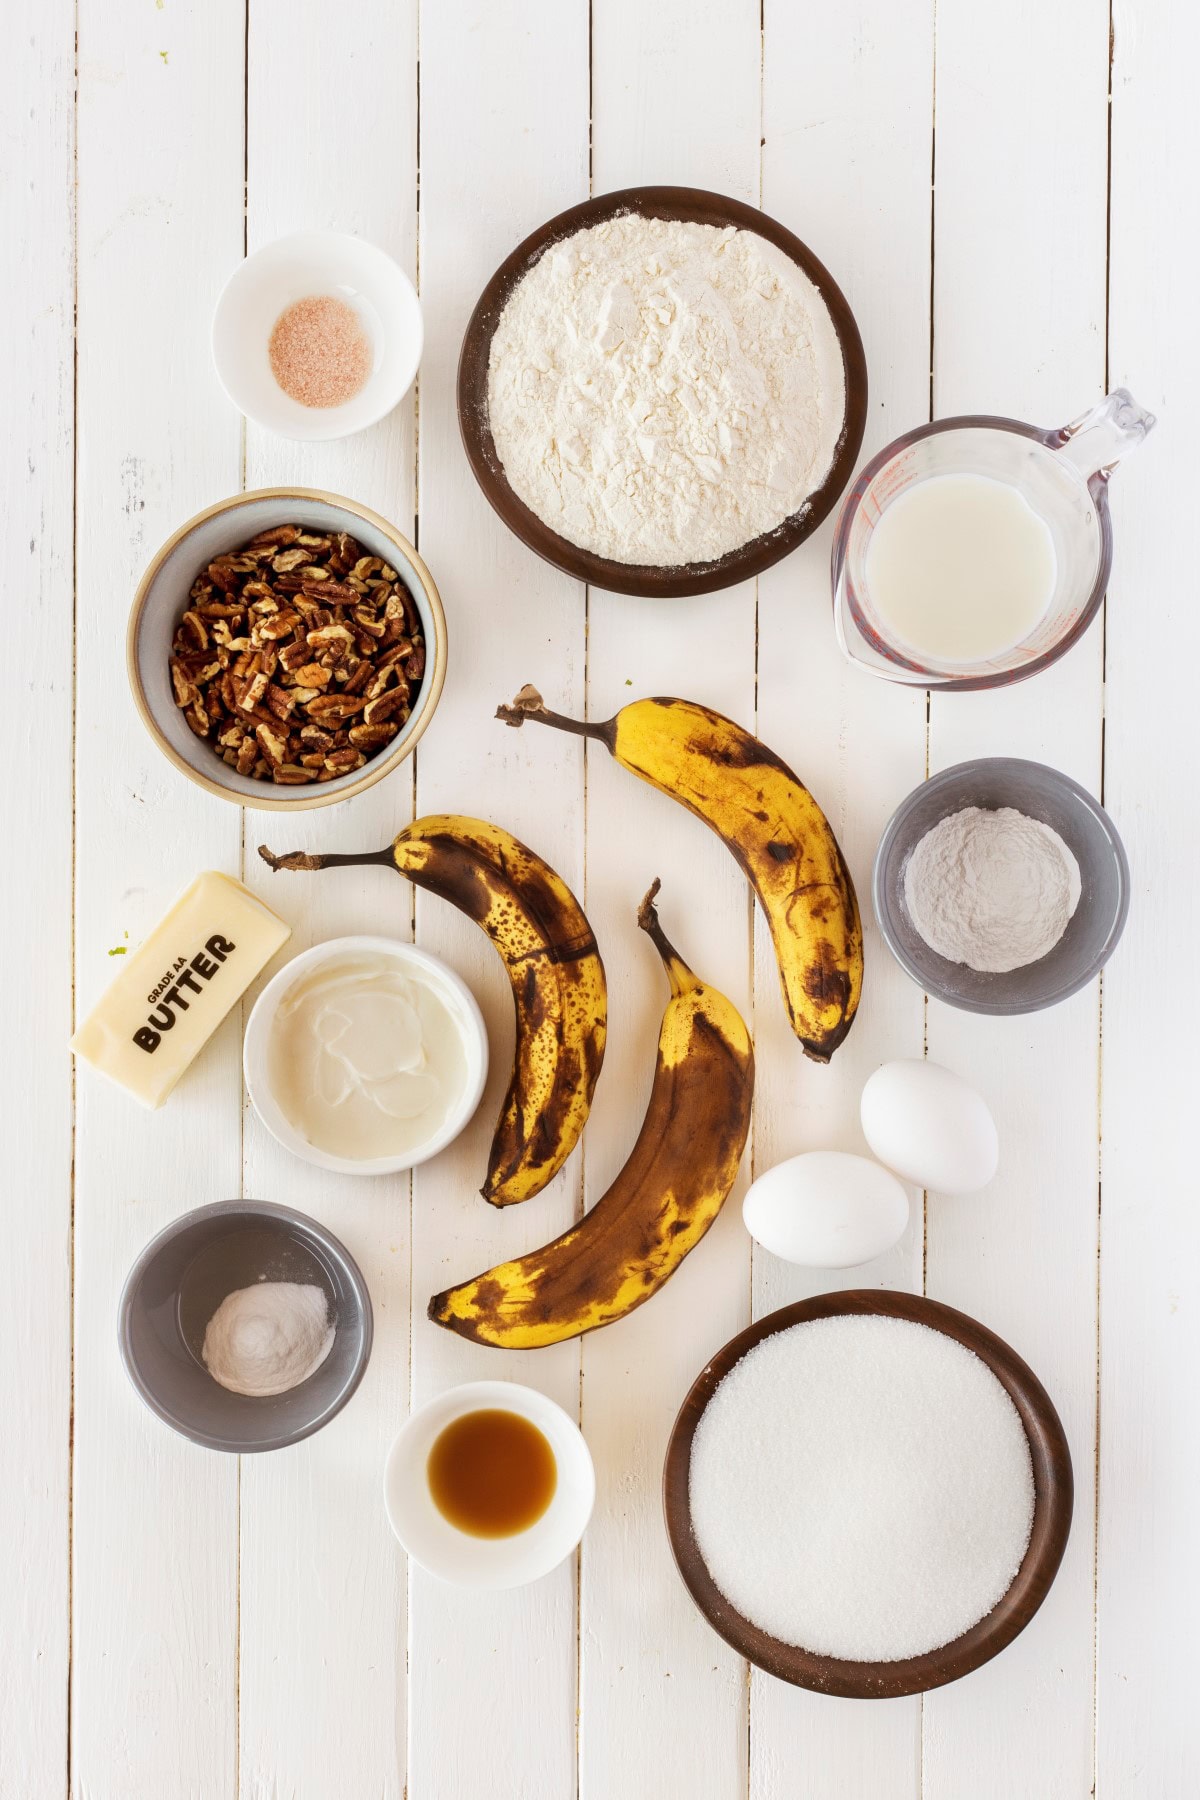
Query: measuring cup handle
(1098, 439)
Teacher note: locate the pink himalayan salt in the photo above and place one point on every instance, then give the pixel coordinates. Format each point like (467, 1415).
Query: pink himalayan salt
(320, 354)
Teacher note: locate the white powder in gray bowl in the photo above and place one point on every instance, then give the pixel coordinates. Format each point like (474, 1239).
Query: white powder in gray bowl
(862, 1487)
(991, 888)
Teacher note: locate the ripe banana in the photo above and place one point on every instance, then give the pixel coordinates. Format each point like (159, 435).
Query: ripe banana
(557, 978)
(774, 828)
(665, 1198)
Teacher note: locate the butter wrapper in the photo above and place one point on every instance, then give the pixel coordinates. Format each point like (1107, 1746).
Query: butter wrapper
(176, 987)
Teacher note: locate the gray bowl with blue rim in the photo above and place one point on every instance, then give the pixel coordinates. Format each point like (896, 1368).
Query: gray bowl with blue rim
(1041, 793)
(179, 1281)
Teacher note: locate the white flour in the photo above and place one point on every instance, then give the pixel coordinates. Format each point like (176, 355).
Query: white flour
(663, 392)
(993, 890)
(268, 1338)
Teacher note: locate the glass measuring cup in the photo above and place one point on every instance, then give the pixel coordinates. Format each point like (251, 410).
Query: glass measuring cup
(1063, 475)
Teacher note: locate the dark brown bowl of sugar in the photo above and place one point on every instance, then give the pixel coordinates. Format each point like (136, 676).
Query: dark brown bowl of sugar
(868, 1494)
(662, 391)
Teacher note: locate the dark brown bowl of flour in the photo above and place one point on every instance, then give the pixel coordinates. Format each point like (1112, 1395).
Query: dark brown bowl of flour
(651, 579)
(1049, 1464)
(1090, 935)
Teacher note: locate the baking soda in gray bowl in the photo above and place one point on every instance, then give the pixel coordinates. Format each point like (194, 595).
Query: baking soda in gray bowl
(862, 1487)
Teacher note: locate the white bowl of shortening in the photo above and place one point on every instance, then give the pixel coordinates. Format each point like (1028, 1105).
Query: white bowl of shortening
(365, 1055)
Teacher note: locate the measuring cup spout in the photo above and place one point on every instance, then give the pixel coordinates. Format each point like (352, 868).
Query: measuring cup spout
(1098, 439)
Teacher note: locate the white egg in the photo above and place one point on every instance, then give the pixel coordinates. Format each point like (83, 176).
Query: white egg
(931, 1126)
(826, 1210)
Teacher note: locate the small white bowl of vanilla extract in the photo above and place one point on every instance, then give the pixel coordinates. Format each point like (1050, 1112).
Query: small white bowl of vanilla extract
(489, 1485)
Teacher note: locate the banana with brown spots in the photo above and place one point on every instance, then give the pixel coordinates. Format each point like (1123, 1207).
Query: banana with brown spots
(677, 1178)
(773, 827)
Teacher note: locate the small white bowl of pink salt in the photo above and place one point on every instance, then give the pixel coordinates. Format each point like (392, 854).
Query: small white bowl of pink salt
(317, 335)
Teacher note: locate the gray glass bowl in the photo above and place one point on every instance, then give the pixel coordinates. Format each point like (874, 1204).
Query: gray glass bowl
(181, 1278)
(1084, 826)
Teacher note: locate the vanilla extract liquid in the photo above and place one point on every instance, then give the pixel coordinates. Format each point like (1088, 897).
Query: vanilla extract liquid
(491, 1473)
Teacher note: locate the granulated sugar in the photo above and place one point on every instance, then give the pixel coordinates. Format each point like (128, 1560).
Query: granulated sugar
(862, 1487)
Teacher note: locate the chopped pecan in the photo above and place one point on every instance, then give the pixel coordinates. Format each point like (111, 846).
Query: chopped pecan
(329, 637)
(331, 709)
(320, 740)
(251, 691)
(384, 706)
(291, 559)
(276, 538)
(279, 625)
(280, 701)
(297, 656)
(334, 593)
(373, 737)
(194, 630)
(272, 742)
(291, 656)
(343, 761)
(185, 688)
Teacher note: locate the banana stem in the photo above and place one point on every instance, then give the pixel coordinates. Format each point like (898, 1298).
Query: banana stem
(528, 704)
(679, 975)
(305, 860)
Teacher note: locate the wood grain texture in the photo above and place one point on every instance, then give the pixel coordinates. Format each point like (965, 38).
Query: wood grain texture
(37, 147)
(492, 1676)
(846, 165)
(675, 97)
(1019, 257)
(323, 1690)
(181, 158)
(1149, 1553)
(154, 1689)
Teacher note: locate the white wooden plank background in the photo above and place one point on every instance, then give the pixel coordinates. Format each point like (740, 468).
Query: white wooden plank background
(177, 1625)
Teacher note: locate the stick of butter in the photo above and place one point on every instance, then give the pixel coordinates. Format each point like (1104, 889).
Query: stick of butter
(175, 989)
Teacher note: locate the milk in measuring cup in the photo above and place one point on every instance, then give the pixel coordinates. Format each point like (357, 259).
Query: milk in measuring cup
(960, 568)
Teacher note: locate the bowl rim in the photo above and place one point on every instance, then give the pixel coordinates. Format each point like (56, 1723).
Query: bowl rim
(258, 1026)
(299, 799)
(926, 979)
(645, 581)
(1053, 1505)
(284, 1215)
(241, 274)
(496, 1392)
